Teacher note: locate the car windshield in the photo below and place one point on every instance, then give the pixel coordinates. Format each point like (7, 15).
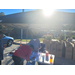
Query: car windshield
(4, 35)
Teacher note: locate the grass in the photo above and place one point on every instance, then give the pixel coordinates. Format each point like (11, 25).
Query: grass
(41, 39)
(24, 40)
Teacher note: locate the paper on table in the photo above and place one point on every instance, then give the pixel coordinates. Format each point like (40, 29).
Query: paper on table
(9, 55)
(40, 58)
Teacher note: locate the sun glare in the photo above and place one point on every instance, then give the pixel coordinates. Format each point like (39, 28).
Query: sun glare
(48, 12)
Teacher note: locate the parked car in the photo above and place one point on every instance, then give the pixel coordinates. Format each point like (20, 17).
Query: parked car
(7, 40)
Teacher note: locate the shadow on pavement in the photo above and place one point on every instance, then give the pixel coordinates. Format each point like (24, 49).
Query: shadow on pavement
(12, 63)
(18, 43)
(8, 62)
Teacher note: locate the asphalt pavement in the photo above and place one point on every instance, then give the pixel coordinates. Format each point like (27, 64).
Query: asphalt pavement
(7, 59)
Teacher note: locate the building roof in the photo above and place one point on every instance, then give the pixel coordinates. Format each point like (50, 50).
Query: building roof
(36, 18)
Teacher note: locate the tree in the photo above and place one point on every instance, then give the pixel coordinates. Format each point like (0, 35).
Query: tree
(2, 27)
(2, 14)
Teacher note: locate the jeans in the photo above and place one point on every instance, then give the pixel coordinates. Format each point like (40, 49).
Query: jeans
(0, 62)
(33, 54)
(30, 63)
(17, 60)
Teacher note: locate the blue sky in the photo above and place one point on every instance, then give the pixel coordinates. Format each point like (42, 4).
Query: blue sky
(12, 11)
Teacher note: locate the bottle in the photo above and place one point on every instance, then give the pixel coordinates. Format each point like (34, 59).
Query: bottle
(51, 59)
(40, 54)
(47, 57)
(43, 58)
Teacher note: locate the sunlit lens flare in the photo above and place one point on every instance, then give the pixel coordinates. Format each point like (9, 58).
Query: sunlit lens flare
(48, 12)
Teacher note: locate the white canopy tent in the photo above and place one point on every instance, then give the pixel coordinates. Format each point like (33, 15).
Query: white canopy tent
(36, 19)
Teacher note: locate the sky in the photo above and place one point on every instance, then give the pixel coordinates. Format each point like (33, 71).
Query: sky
(12, 11)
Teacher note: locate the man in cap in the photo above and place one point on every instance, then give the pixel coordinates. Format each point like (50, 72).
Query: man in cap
(1, 47)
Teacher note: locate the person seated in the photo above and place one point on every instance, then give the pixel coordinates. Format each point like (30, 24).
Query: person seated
(21, 54)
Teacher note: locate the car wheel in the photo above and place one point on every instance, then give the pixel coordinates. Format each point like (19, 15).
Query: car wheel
(9, 43)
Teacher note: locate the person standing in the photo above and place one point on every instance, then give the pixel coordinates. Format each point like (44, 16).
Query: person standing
(1, 47)
(36, 43)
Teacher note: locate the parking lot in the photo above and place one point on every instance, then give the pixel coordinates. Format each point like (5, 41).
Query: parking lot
(8, 60)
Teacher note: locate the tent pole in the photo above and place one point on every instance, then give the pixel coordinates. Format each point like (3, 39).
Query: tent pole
(21, 32)
(21, 36)
(22, 10)
(32, 34)
(27, 33)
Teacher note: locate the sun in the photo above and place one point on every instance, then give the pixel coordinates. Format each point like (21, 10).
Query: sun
(48, 12)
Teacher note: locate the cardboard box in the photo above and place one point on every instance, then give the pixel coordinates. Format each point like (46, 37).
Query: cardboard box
(58, 54)
(68, 49)
(63, 49)
(74, 45)
(53, 52)
(45, 41)
(53, 42)
(59, 49)
(53, 47)
(73, 51)
(59, 46)
(59, 43)
(74, 48)
(73, 54)
(68, 55)
(68, 44)
(48, 45)
(48, 42)
(49, 51)
(73, 57)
